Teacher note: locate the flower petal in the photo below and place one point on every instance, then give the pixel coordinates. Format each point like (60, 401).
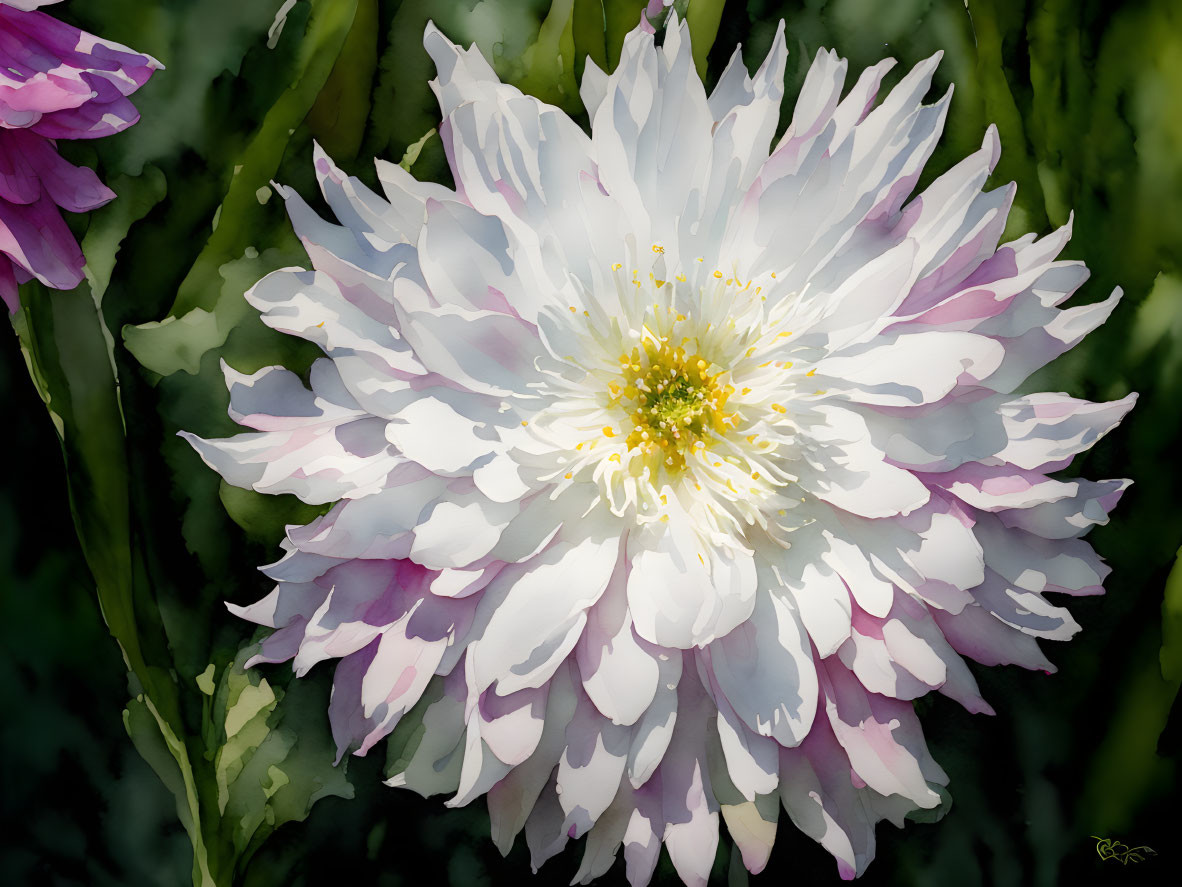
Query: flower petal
(683, 593)
(544, 604)
(765, 668)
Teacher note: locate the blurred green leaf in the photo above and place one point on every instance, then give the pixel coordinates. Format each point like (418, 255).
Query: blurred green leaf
(1171, 632)
(137, 196)
(337, 118)
(239, 218)
(548, 64)
(703, 18)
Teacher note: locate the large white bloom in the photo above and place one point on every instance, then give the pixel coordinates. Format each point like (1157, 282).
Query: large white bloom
(671, 469)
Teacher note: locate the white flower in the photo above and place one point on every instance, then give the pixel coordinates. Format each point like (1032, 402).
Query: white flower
(671, 470)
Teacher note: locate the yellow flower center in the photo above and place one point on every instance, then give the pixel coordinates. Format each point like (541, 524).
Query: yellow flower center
(676, 402)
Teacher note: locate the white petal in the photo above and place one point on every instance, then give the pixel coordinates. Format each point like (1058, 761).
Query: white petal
(469, 260)
(480, 770)
(880, 735)
(910, 369)
(483, 351)
(1051, 428)
(688, 803)
(463, 73)
(1027, 611)
(525, 163)
(998, 487)
(821, 800)
(311, 304)
(619, 674)
(499, 480)
(642, 838)
(433, 767)
(683, 592)
(1032, 563)
(432, 433)
(652, 733)
(1052, 334)
(543, 830)
(914, 640)
(1071, 516)
(651, 133)
(542, 613)
(396, 678)
(752, 761)
(593, 87)
(752, 826)
(848, 471)
(591, 767)
(408, 196)
(823, 602)
(947, 551)
(512, 725)
(765, 668)
(746, 112)
(872, 593)
(603, 841)
(376, 526)
(976, 633)
(362, 211)
(511, 800)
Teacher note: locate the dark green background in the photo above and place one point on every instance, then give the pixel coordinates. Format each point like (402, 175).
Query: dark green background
(1088, 100)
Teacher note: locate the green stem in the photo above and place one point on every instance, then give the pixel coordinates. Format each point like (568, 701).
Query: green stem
(67, 351)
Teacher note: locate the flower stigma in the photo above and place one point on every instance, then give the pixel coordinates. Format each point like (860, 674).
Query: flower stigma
(668, 396)
(677, 401)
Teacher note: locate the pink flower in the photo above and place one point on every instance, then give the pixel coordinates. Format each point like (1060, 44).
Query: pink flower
(56, 82)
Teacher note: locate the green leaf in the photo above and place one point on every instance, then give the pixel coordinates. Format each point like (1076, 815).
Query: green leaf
(1171, 628)
(589, 33)
(547, 68)
(620, 17)
(337, 119)
(242, 212)
(703, 18)
(137, 195)
(166, 755)
(273, 758)
(413, 152)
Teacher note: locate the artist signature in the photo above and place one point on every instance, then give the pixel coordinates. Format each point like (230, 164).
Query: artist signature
(1122, 852)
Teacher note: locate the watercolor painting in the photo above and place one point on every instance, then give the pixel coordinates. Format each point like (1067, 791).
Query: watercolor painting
(590, 441)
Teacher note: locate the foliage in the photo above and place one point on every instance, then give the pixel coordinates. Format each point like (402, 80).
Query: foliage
(1087, 100)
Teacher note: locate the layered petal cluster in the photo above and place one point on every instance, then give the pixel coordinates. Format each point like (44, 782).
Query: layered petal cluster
(56, 82)
(670, 464)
